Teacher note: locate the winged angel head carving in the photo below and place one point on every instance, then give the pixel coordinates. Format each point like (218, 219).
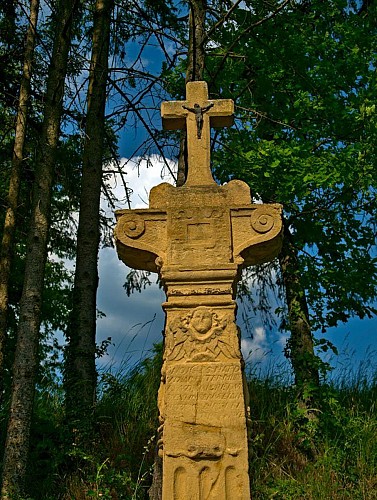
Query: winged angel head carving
(201, 335)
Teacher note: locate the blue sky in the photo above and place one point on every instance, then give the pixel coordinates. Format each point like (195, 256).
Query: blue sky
(135, 323)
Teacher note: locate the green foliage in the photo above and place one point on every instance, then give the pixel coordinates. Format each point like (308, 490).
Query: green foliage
(98, 480)
(304, 82)
(283, 462)
(123, 446)
(342, 464)
(131, 395)
(47, 441)
(305, 136)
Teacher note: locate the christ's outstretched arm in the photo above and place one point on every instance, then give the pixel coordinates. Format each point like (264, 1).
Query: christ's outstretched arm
(198, 111)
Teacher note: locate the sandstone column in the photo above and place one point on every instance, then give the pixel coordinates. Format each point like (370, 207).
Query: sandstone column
(198, 237)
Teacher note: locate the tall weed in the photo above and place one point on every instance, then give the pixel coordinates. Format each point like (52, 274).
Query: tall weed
(344, 436)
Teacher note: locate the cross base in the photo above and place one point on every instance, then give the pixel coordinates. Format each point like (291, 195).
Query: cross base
(203, 395)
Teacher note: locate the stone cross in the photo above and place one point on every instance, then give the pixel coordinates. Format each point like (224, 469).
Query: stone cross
(197, 114)
(198, 237)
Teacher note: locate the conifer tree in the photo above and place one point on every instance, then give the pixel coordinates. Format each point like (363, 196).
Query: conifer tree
(80, 370)
(15, 179)
(26, 356)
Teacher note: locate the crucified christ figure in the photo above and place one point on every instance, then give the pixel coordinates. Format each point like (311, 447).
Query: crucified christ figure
(199, 112)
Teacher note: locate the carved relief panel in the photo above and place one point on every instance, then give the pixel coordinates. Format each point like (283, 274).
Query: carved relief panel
(204, 432)
(200, 236)
(202, 334)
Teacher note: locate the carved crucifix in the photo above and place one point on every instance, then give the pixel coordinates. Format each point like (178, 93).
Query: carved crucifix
(198, 237)
(198, 115)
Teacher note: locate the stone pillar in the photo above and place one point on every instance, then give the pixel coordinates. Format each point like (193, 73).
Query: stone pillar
(197, 237)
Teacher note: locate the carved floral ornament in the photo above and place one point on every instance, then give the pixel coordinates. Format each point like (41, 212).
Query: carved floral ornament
(199, 336)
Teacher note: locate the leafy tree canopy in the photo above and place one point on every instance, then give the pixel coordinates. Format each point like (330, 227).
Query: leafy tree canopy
(303, 79)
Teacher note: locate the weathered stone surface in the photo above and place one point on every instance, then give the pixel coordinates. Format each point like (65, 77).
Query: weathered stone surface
(198, 237)
(178, 114)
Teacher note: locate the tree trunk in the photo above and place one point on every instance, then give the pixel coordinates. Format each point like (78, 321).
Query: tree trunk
(80, 368)
(15, 180)
(26, 356)
(195, 70)
(196, 53)
(300, 348)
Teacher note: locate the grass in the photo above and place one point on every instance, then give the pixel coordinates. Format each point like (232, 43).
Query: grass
(291, 457)
(343, 464)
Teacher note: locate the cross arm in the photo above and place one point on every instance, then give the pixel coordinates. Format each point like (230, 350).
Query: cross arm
(173, 115)
(222, 114)
(197, 114)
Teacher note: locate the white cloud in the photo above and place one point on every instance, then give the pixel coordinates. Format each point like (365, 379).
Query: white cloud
(139, 176)
(256, 347)
(282, 340)
(134, 323)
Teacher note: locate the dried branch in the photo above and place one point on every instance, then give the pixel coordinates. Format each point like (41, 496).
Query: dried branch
(119, 170)
(145, 124)
(265, 116)
(241, 35)
(222, 20)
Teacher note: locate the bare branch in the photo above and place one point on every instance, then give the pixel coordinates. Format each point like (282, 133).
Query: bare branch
(147, 127)
(241, 35)
(222, 20)
(119, 171)
(265, 116)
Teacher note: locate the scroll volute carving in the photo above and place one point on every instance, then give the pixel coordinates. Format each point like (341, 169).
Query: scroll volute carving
(257, 232)
(140, 237)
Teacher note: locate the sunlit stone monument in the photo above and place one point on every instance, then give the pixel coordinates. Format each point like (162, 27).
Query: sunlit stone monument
(198, 237)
